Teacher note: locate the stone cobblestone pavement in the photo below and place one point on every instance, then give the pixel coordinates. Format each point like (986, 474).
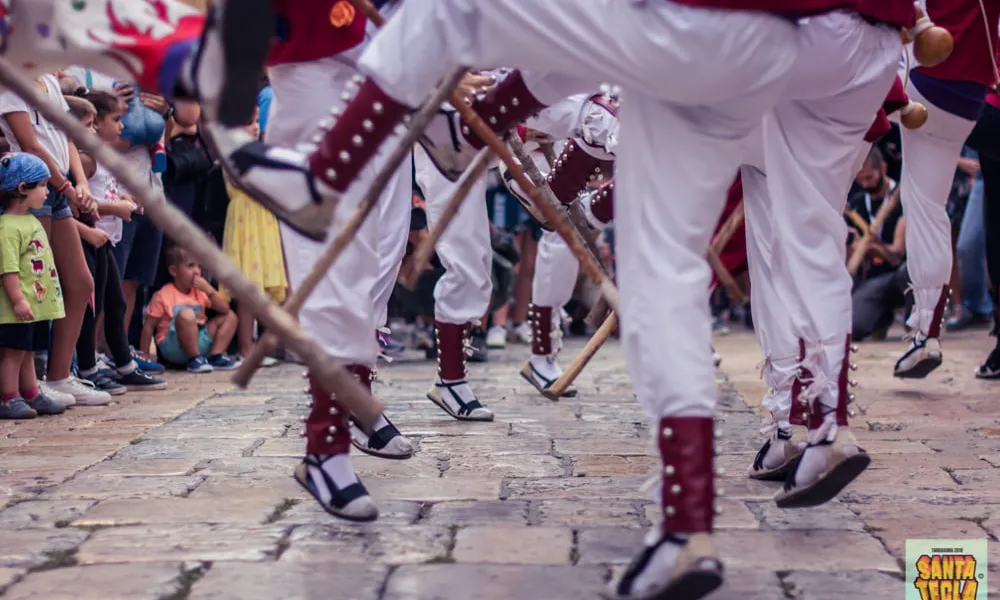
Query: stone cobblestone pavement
(188, 494)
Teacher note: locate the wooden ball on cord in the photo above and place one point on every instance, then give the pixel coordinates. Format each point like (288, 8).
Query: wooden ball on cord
(933, 46)
(913, 115)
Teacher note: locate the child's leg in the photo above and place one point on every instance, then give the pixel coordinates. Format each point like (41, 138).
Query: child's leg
(10, 373)
(28, 385)
(186, 326)
(222, 328)
(244, 328)
(115, 323)
(86, 345)
(77, 287)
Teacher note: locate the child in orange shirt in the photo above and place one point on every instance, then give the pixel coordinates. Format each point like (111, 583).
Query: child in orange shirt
(176, 315)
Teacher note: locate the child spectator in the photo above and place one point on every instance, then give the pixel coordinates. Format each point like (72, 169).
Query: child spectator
(184, 334)
(98, 243)
(32, 296)
(253, 241)
(27, 131)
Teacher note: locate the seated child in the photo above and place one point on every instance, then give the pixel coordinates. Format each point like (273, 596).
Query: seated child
(32, 296)
(176, 314)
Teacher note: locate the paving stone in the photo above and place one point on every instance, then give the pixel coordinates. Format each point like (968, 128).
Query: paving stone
(272, 488)
(578, 487)
(420, 465)
(735, 514)
(42, 514)
(154, 543)
(504, 466)
(101, 582)
(492, 582)
(97, 487)
(201, 448)
(490, 446)
(180, 511)
(483, 512)
(33, 547)
(290, 581)
(434, 490)
(813, 585)
(589, 513)
(253, 466)
(750, 585)
(513, 545)
(606, 465)
(390, 512)
(832, 515)
(144, 468)
(784, 550)
(369, 543)
(9, 576)
(604, 446)
(895, 532)
(608, 545)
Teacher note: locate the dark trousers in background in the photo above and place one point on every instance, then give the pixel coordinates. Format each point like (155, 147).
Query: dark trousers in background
(875, 301)
(109, 299)
(985, 139)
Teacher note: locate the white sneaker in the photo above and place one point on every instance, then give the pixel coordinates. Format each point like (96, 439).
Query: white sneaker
(522, 333)
(496, 337)
(82, 391)
(65, 399)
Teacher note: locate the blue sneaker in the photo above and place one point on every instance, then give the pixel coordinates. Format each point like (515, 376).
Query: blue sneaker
(221, 362)
(147, 366)
(199, 364)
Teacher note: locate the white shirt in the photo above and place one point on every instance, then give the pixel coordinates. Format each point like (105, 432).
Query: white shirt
(104, 187)
(49, 137)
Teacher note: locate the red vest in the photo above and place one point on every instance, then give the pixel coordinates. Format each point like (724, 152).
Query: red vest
(970, 61)
(310, 33)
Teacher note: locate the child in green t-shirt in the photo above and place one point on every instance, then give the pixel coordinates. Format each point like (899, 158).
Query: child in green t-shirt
(32, 296)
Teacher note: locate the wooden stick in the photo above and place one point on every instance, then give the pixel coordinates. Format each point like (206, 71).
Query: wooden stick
(729, 228)
(577, 219)
(576, 367)
(590, 265)
(735, 293)
(418, 123)
(185, 233)
(862, 225)
(861, 249)
(426, 248)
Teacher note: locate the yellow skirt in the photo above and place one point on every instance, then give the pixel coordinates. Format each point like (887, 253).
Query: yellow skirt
(252, 241)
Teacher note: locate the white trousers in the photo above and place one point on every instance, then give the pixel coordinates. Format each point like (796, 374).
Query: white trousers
(352, 299)
(929, 158)
(463, 293)
(695, 84)
(796, 235)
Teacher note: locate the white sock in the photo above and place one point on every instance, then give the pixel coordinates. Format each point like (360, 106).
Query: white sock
(338, 467)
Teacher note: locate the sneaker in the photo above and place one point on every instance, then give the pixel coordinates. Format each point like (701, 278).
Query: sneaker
(44, 405)
(991, 368)
(66, 400)
(147, 366)
(522, 333)
(103, 381)
(199, 364)
(388, 347)
(85, 392)
(139, 380)
(496, 337)
(221, 362)
(16, 408)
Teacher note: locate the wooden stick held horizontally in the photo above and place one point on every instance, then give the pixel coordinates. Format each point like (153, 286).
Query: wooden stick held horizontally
(418, 123)
(180, 229)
